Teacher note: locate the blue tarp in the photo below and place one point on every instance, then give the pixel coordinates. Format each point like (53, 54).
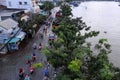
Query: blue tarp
(13, 40)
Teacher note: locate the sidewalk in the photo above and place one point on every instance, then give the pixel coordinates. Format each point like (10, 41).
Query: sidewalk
(10, 64)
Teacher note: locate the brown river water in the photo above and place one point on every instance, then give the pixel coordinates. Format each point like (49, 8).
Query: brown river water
(103, 16)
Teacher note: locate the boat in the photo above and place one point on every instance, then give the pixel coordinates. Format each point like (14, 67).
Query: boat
(75, 4)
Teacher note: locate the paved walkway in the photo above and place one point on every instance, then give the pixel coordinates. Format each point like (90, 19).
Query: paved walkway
(10, 64)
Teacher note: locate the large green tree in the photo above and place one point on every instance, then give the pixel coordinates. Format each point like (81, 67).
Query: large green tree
(74, 54)
(66, 10)
(47, 6)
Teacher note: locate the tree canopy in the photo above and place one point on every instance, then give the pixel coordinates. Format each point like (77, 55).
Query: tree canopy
(74, 54)
(47, 6)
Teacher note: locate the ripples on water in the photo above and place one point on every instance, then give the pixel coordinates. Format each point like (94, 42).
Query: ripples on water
(103, 16)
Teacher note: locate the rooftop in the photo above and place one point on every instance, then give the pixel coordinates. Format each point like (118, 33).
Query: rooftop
(8, 24)
(8, 12)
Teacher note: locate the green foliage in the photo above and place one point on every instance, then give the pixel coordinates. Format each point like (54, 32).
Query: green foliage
(101, 41)
(47, 6)
(46, 51)
(75, 55)
(38, 19)
(62, 77)
(58, 43)
(66, 10)
(106, 73)
(37, 65)
(68, 0)
(75, 65)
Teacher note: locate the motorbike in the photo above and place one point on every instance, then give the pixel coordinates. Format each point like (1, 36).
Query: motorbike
(21, 73)
(33, 58)
(31, 70)
(27, 77)
(40, 47)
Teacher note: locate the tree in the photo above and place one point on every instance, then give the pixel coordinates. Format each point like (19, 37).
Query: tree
(66, 10)
(75, 65)
(38, 19)
(47, 6)
(68, 0)
(74, 55)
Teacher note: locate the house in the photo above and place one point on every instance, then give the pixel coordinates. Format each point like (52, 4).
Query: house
(10, 35)
(19, 4)
(5, 14)
(3, 2)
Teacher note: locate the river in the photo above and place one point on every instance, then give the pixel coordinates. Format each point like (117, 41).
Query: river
(103, 16)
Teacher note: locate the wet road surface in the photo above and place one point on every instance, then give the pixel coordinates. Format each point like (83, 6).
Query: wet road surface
(10, 64)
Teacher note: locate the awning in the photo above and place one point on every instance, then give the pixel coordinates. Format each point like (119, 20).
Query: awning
(13, 40)
(21, 35)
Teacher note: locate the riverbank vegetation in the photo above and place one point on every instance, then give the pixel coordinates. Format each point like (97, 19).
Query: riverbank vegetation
(72, 56)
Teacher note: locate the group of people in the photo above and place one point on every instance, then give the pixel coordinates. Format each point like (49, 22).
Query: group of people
(37, 47)
(29, 61)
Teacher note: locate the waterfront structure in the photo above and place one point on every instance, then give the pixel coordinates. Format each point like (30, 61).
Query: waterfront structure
(10, 35)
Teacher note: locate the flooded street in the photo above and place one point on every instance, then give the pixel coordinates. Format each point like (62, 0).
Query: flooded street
(103, 16)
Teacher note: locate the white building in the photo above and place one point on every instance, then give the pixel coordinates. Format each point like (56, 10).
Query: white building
(19, 4)
(3, 2)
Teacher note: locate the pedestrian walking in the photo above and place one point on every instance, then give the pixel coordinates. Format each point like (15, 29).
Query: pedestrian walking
(46, 73)
(40, 46)
(45, 30)
(21, 73)
(34, 46)
(31, 69)
(41, 34)
(27, 77)
(48, 24)
(50, 43)
(48, 65)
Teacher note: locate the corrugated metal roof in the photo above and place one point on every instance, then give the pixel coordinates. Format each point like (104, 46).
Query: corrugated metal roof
(8, 24)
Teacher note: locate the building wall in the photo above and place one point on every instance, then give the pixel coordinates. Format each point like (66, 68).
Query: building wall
(3, 2)
(0, 18)
(44, 0)
(19, 4)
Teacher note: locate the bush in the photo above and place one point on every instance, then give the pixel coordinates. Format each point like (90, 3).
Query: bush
(37, 65)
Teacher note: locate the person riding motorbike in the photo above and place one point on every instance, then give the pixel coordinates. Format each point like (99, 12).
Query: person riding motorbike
(33, 56)
(28, 60)
(40, 46)
(31, 69)
(27, 77)
(21, 73)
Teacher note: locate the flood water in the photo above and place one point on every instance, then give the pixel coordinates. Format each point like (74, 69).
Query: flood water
(103, 16)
